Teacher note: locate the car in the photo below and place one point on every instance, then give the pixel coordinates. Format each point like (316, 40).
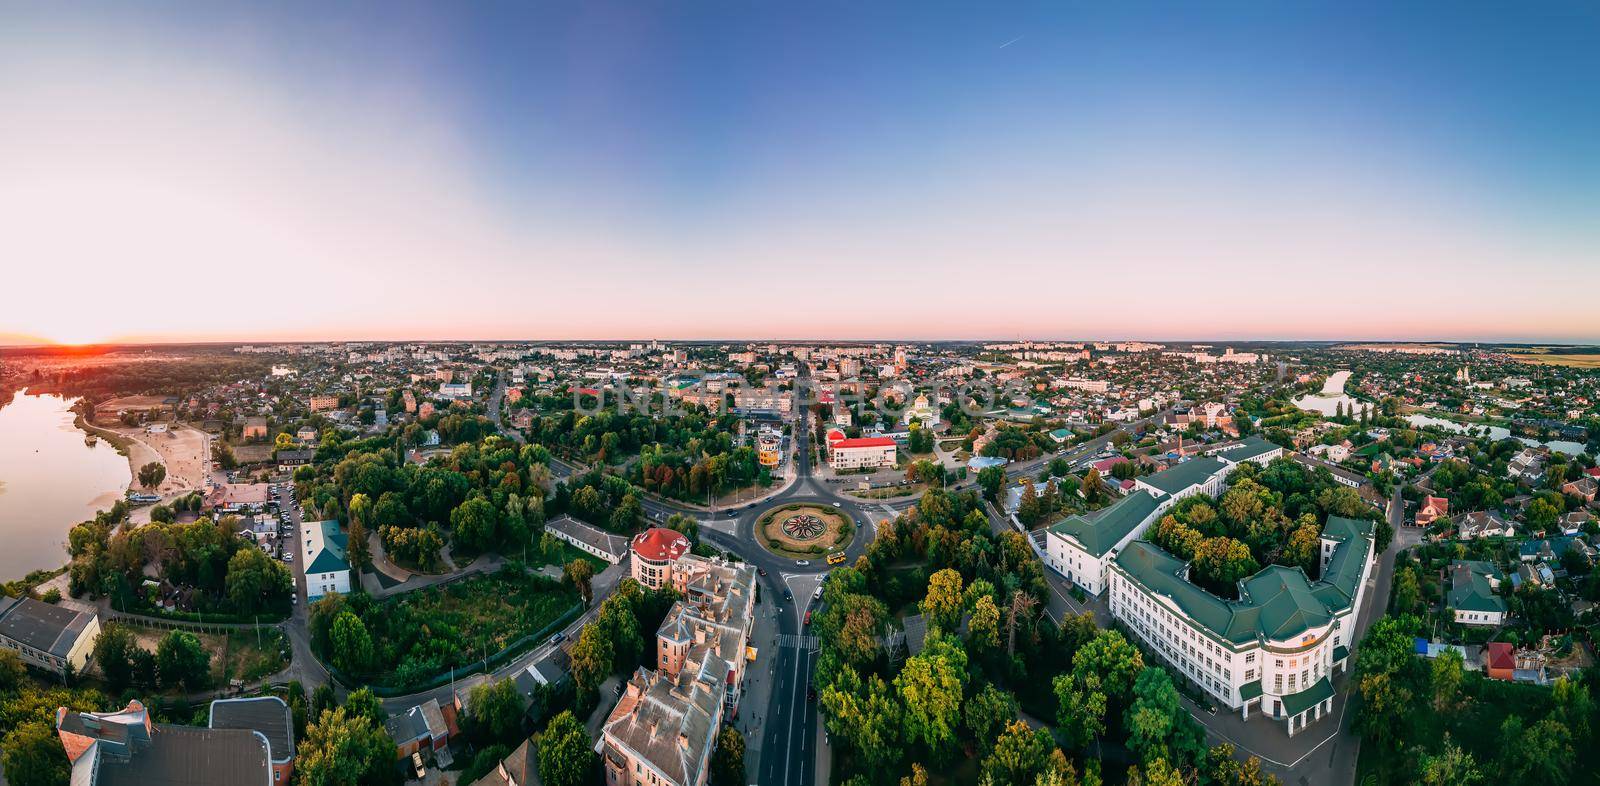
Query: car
(836, 558)
(811, 695)
(558, 638)
(837, 505)
(787, 595)
(288, 558)
(416, 764)
(762, 571)
(802, 563)
(808, 618)
(732, 513)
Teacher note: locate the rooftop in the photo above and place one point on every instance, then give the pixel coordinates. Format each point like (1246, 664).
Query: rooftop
(1189, 473)
(1100, 531)
(42, 626)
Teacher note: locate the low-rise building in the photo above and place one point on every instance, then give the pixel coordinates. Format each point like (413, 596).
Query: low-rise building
(589, 539)
(860, 453)
(47, 636)
(1473, 593)
(1432, 508)
(327, 569)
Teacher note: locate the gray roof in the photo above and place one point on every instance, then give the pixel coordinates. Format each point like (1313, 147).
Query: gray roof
(522, 765)
(608, 542)
(266, 714)
(42, 626)
(187, 756)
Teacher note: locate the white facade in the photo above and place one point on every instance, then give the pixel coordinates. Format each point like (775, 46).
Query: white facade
(845, 456)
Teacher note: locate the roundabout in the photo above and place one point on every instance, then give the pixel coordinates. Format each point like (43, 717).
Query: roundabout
(803, 531)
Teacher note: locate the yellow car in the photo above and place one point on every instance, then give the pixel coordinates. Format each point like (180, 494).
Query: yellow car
(836, 558)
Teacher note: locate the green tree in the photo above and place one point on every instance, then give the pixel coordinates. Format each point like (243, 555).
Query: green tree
(931, 686)
(1387, 679)
(1452, 766)
(474, 523)
(592, 659)
(581, 572)
(151, 475)
(727, 762)
(342, 749)
(1541, 753)
(983, 631)
(627, 514)
(1447, 676)
(352, 644)
(991, 480)
(565, 755)
(1019, 755)
(1158, 726)
(255, 580)
(943, 602)
(32, 756)
(113, 654)
(182, 661)
(496, 710)
(1219, 564)
(987, 712)
(1303, 546)
(866, 714)
(12, 671)
(1110, 657)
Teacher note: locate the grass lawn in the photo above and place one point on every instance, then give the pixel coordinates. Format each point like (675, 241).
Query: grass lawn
(419, 634)
(836, 531)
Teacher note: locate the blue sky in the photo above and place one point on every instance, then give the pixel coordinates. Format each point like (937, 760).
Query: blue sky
(684, 163)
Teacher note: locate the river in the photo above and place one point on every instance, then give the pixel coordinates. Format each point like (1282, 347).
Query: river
(49, 480)
(1327, 402)
(1496, 433)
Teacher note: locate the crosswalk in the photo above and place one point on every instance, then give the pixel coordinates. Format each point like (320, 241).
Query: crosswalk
(798, 642)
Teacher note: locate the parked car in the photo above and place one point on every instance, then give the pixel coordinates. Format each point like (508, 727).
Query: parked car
(558, 638)
(416, 764)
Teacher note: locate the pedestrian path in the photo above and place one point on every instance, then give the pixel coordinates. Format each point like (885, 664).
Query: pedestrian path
(798, 642)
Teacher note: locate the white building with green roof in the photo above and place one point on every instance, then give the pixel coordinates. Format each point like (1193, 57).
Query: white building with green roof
(1274, 650)
(1474, 593)
(1082, 547)
(323, 560)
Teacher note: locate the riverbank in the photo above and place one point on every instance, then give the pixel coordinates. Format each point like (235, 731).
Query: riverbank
(183, 450)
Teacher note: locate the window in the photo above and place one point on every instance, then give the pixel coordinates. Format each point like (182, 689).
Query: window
(1251, 658)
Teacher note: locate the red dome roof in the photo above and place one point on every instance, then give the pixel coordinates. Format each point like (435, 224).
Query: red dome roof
(660, 543)
(834, 436)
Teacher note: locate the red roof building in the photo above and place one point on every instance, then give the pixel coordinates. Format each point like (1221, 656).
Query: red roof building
(1432, 508)
(655, 552)
(1501, 660)
(862, 442)
(659, 544)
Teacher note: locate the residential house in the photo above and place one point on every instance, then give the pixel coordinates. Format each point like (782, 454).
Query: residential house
(1432, 508)
(1473, 593)
(520, 768)
(1527, 465)
(425, 728)
(1482, 524)
(1583, 488)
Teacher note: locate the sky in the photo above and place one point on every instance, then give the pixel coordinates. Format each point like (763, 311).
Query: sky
(1235, 170)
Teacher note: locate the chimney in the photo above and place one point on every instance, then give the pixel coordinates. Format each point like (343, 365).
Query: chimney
(683, 741)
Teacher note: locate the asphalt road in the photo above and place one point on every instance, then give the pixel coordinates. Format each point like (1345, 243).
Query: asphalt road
(788, 749)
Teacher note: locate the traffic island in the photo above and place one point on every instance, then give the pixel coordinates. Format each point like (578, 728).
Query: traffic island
(804, 531)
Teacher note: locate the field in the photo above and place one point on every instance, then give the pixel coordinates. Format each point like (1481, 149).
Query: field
(1573, 361)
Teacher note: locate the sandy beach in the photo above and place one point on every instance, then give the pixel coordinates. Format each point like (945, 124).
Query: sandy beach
(182, 449)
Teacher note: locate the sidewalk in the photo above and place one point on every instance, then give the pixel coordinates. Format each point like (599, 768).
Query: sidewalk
(758, 682)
